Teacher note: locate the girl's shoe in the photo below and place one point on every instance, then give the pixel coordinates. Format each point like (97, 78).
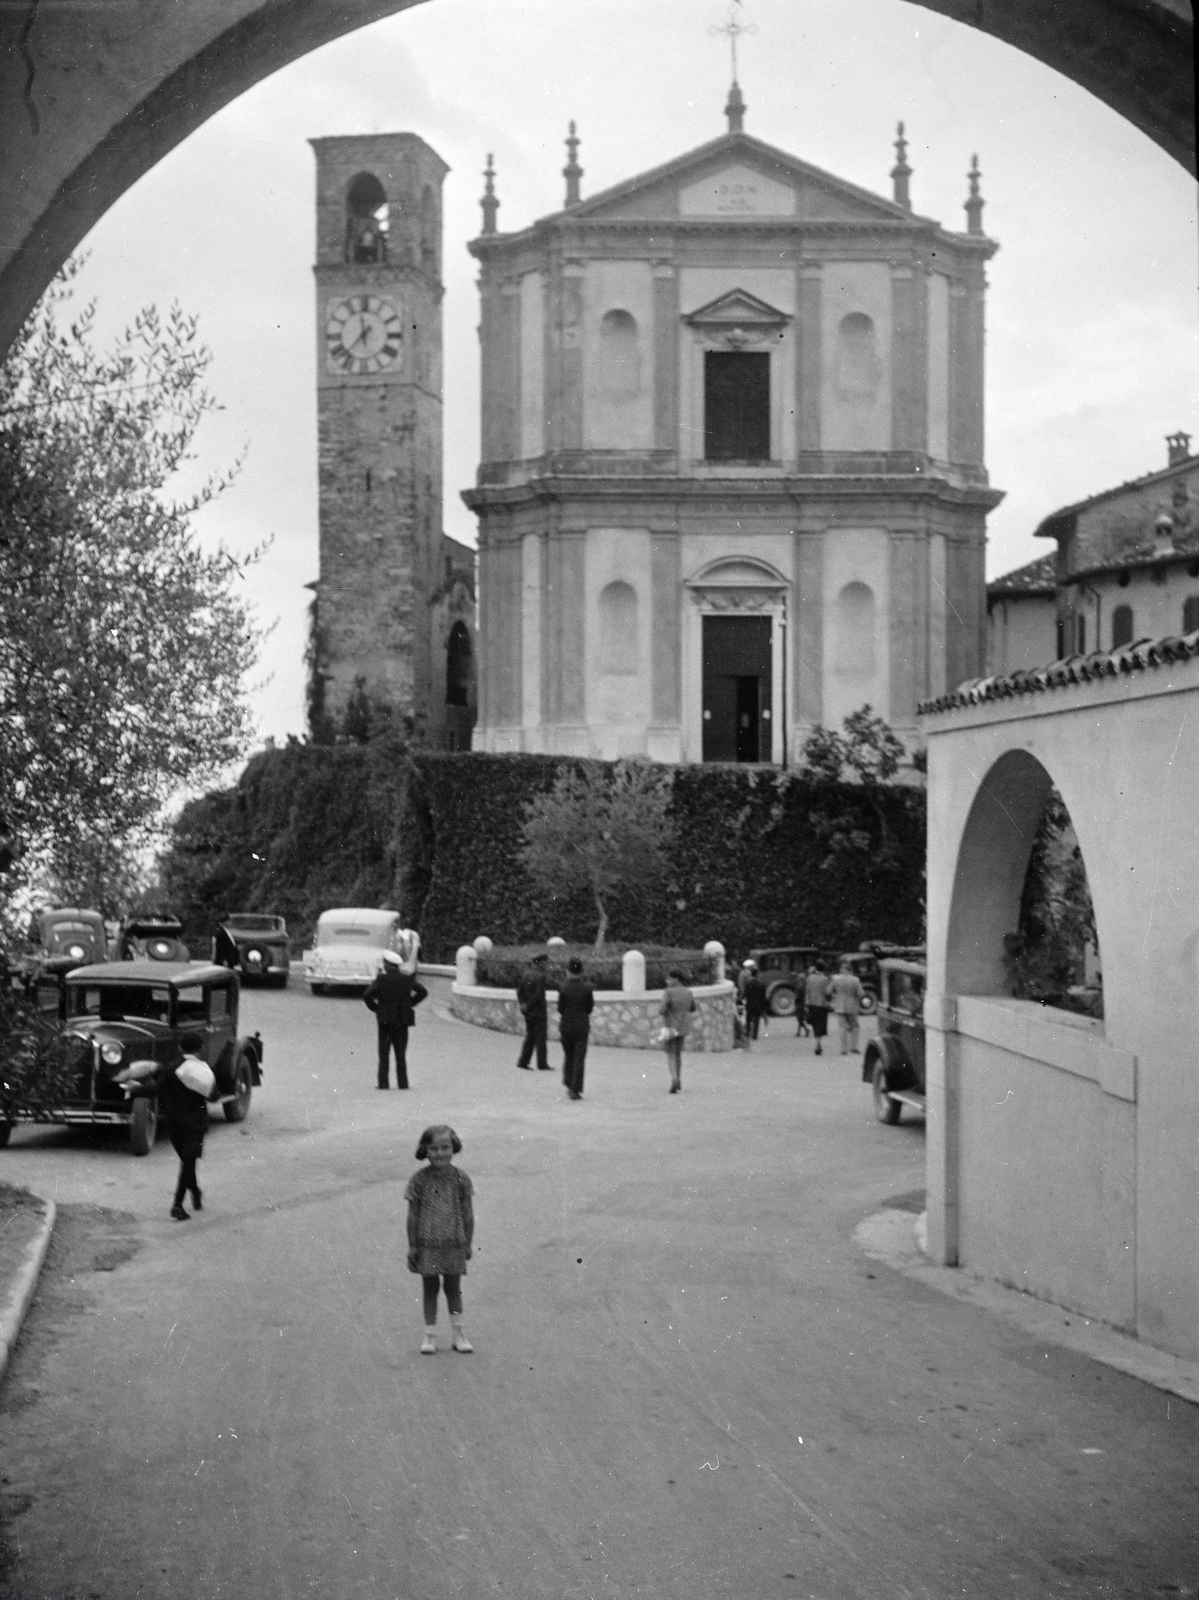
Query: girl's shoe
(461, 1343)
(428, 1345)
(179, 1214)
(674, 1088)
(197, 1202)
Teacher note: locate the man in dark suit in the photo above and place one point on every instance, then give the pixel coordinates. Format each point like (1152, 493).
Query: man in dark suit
(530, 996)
(575, 1001)
(393, 997)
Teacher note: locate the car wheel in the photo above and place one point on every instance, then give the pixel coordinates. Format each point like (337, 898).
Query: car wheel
(143, 1125)
(782, 1001)
(885, 1108)
(317, 988)
(238, 1109)
(868, 1002)
(281, 980)
(6, 1129)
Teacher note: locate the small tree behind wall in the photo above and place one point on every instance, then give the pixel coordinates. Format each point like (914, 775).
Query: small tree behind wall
(599, 831)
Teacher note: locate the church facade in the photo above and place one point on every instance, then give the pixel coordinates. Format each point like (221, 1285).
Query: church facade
(394, 606)
(732, 481)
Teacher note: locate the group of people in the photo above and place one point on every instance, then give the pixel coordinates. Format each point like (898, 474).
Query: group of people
(818, 995)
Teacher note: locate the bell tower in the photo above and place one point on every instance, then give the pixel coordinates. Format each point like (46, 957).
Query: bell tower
(379, 421)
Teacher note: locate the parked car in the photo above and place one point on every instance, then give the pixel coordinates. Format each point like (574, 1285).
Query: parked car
(783, 969)
(60, 938)
(893, 1064)
(864, 963)
(348, 947)
(256, 945)
(155, 936)
(124, 1018)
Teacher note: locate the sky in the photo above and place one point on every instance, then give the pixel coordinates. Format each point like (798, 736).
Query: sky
(1093, 307)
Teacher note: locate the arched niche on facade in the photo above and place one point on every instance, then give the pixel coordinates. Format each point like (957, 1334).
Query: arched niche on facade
(619, 647)
(618, 416)
(993, 895)
(853, 638)
(620, 355)
(366, 220)
(859, 367)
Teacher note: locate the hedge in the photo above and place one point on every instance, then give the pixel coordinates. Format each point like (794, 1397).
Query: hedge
(763, 857)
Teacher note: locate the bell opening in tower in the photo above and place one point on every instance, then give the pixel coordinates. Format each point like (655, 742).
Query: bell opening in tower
(366, 221)
(736, 406)
(737, 688)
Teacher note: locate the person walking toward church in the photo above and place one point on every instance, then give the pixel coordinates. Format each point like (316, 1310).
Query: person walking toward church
(678, 1010)
(530, 997)
(845, 991)
(816, 1002)
(393, 997)
(576, 998)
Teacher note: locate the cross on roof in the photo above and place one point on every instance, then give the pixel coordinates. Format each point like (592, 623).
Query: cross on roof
(733, 29)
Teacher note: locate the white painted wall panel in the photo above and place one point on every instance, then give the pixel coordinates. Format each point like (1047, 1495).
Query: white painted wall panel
(532, 365)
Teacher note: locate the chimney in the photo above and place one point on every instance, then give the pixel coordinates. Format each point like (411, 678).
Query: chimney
(1179, 447)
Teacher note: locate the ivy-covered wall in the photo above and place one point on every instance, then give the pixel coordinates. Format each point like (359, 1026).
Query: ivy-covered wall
(763, 857)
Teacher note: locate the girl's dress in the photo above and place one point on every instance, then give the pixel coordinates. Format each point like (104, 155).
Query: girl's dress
(439, 1196)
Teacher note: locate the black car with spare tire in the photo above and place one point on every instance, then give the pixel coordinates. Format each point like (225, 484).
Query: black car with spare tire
(893, 1065)
(121, 1020)
(256, 945)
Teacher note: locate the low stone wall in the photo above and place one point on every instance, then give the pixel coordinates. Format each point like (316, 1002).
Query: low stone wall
(631, 1021)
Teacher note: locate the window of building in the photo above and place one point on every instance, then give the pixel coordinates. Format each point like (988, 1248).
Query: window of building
(366, 220)
(858, 366)
(1082, 636)
(1121, 626)
(458, 666)
(1190, 613)
(736, 406)
(618, 630)
(619, 356)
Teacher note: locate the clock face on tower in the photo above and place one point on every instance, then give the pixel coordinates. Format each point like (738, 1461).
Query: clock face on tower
(363, 334)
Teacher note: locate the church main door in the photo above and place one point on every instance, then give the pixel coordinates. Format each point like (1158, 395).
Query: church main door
(737, 688)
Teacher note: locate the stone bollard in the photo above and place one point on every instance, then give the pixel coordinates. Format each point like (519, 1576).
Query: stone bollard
(482, 945)
(555, 940)
(467, 961)
(632, 972)
(714, 950)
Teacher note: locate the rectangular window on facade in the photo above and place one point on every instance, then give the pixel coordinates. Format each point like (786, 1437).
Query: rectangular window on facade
(736, 406)
(1121, 626)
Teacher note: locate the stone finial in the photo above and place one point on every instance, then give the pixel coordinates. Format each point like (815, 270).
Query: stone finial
(489, 202)
(901, 173)
(572, 171)
(482, 945)
(632, 972)
(735, 109)
(1178, 447)
(975, 201)
(466, 966)
(714, 951)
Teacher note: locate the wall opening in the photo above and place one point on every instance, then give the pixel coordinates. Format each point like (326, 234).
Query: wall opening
(459, 666)
(618, 631)
(736, 406)
(1122, 622)
(853, 648)
(619, 356)
(1190, 613)
(366, 220)
(1053, 955)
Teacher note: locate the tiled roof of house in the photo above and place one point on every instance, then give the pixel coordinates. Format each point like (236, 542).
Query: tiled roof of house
(1047, 527)
(1035, 577)
(1142, 656)
(1185, 548)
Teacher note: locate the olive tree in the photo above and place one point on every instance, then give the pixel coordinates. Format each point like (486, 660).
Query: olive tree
(123, 643)
(599, 830)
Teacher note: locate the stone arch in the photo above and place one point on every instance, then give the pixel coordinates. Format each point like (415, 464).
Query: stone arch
(366, 219)
(853, 639)
(991, 885)
(459, 666)
(859, 369)
(105, 105)
(618, 630)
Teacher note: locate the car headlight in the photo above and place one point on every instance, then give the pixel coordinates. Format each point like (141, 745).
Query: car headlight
(111, 1053)
(76, 952)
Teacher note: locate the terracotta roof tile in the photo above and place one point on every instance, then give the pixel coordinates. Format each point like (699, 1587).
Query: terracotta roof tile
(1138, 657)
(1035, 577)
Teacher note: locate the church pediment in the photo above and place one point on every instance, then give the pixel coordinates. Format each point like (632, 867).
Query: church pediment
(737, 309)
(739, 178)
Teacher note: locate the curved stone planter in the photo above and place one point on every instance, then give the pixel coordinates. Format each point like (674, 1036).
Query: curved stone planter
(631, 1021)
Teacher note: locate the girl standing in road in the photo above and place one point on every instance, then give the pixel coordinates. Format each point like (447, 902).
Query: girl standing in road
(441, 1225)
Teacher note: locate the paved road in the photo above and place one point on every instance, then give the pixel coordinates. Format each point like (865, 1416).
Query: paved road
(686, 1382)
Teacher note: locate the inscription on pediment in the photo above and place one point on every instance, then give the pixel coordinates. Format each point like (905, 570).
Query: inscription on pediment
(737, 192)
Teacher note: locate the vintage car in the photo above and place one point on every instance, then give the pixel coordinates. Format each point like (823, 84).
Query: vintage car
(154, 936)
(123, 1018)
(60, 938)
(256, 945)
(348, 947)
(783, 969)
(864, 963)
(893, 1064)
